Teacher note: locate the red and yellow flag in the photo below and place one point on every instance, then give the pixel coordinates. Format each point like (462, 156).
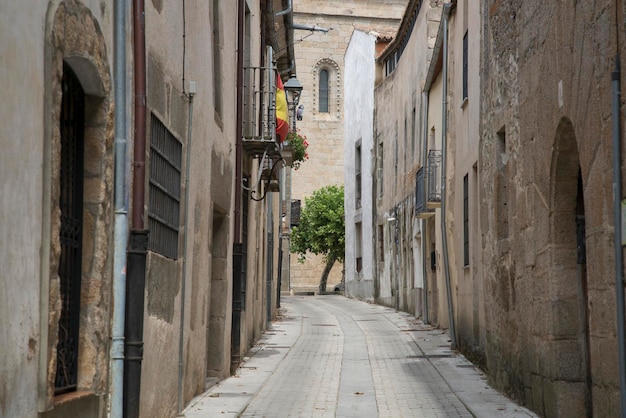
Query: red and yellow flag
(282, 118)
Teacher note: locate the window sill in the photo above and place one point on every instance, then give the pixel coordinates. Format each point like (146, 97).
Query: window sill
(71, 397)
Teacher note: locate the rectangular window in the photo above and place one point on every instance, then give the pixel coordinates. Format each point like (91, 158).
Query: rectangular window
(380, 169)
(502, 215)
(466, 258)
(358, 250)
(71, 170)
(395, 160)
(357, 174)
(217, 57)
(165, 181)
(413, 134)
(465, 65)
(381, 244)
(405, 151)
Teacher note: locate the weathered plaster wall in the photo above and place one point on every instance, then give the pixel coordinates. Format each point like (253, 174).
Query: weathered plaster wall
(173, 61)
(463, 151)
(29, 235)
(398, 135)
(546, 80)
(21, 208)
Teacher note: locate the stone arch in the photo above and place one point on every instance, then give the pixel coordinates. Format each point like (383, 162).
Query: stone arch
(73, 37)
(567, 369)
(334, 84)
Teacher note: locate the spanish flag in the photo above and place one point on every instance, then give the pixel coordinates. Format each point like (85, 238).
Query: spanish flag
(282, 118)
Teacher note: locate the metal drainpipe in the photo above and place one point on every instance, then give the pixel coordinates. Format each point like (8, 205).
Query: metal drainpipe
(617, 234)
(271, 81)
(138, 243)
(444, 133)
(121, 214)
(270, 261)
(181, 345)
(284, 12)
(239, 123)
(425, 318)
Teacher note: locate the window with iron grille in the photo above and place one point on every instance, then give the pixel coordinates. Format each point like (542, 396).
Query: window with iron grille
(72, 124)
(165, 180)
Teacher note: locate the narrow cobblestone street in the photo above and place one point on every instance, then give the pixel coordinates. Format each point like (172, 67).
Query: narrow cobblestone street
(330, 356)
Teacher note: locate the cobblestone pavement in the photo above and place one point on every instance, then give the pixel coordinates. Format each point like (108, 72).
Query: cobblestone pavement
(329, 356)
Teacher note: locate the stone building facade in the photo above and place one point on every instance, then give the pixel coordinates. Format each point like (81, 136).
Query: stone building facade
(69, 171)
(547, 213)
(523, 116)
(321, 54)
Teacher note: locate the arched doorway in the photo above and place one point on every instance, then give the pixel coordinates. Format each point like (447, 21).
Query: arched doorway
(568, 332)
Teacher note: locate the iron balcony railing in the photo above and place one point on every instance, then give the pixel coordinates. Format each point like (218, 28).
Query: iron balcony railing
(259, 110)
(428, 186)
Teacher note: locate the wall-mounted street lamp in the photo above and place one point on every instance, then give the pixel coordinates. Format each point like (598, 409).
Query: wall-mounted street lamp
(293, 89)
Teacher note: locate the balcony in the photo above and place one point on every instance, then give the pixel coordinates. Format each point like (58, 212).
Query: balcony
(428, 186)
(259, 112)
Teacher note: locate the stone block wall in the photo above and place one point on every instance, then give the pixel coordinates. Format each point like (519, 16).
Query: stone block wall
(550, 322)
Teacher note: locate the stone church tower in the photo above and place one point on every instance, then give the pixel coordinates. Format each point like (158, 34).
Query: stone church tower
(320, 69)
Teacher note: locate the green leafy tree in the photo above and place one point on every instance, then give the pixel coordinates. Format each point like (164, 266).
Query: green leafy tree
(321, 229)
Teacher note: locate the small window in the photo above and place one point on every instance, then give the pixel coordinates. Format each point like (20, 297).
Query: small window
(502, 193)
(465, 66)
(358, 229)
(323, 91)
(357, 175)
(380, 170)
(217, 56)
(381, 244)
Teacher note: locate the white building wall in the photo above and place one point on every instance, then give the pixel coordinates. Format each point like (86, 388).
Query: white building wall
(358, 130)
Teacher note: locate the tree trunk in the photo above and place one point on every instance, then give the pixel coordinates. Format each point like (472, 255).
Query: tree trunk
(325, 273)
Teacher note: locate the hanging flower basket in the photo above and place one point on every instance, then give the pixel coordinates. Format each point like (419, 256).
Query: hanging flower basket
(296, 144)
